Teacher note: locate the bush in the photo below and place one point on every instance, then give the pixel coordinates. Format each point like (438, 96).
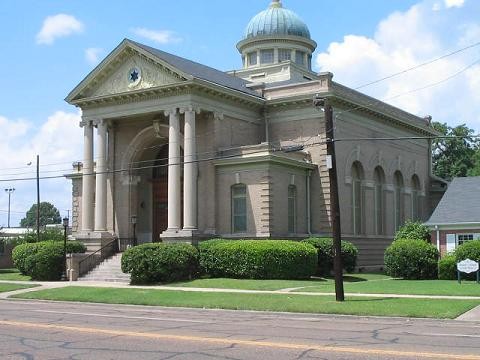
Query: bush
(324, 248)
(43, 260)
(413, 231)
(468, 250)
(258, 259)
(447, 268)
(154, 263)
(411, 259)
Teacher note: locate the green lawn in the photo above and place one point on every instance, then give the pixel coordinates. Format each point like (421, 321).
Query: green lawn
(12, 275)
(354, 283)
(13, 287)
(268, 302)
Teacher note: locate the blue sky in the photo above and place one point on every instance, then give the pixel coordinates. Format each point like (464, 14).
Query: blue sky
(359, 41)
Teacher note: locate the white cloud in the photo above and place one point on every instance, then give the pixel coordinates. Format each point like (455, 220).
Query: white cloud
(407, 39)
(92, 55)
(158, 36)
(56, 26)
(454, 3)
(58, 142)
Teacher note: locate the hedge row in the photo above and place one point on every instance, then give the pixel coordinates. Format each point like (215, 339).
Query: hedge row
(447, 266)
(43, 260)
(252, 259)
(258, 259)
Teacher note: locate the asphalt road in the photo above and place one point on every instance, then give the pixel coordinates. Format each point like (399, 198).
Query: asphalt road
(47, 330)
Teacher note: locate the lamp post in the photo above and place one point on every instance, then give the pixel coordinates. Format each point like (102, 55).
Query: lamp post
(134, 224)
(65, 226)
(9, 191)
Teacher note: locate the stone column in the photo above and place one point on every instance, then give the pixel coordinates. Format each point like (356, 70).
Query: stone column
(101, 178)
(87, 176)
(190, 173)
(174, 161)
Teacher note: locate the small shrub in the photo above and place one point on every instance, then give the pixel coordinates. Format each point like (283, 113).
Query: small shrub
(43, 260)
(325, 251)
(447, 267)
(411, 259)
(154, 263)
(258, 259)
(468, 250)
(413, 231)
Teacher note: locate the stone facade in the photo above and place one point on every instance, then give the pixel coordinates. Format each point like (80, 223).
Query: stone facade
(192, 153)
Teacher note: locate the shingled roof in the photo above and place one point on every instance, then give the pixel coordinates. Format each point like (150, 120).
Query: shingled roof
(460, 204)
(200, 71)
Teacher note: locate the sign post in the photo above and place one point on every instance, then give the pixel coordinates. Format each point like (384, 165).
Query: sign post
(468, 266)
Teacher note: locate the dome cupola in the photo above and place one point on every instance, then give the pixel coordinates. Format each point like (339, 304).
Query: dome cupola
(276, 35)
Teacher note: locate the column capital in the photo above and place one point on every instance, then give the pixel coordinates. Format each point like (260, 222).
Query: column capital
(172, 111)
(85, 122)
(190, 108)
(218, 115)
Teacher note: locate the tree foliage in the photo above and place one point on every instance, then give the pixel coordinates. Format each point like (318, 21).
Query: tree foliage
(49, 214)
(456, 156)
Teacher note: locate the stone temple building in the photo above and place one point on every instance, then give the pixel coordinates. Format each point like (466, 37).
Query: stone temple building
(188, 152)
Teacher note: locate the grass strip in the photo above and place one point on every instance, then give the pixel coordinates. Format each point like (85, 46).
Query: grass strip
(13, 287)
(430, 308)
(12, 275)
(358, 283)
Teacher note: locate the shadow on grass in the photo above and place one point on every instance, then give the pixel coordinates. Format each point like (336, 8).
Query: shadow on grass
(9, 271)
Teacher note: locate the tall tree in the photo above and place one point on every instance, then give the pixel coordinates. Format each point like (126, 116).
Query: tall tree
(49, 214)
(454, 157)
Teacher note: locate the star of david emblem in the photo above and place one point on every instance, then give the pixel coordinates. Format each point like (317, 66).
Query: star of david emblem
(134, 75)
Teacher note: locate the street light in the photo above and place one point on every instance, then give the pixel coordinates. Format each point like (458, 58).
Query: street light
(134, 223)
(9, 191)
(65, 226)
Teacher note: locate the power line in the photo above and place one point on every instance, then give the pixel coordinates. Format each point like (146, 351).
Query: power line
(417, 66)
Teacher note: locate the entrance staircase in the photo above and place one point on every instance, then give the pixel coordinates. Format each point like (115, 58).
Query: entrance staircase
(108, 271)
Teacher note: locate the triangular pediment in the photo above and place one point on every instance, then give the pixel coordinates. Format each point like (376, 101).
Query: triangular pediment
(128, 68)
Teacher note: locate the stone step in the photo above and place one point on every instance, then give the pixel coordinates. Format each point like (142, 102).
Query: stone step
(109, 270)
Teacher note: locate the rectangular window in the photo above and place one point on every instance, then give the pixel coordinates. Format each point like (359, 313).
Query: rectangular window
(462, 238)
(266, 56)
(252, 58)
(379, 209)
(239, 208)
(292, 209)
(284, 55)
(357, 206)
(300, 57)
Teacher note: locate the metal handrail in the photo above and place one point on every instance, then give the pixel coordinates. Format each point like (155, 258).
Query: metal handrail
(95, 258)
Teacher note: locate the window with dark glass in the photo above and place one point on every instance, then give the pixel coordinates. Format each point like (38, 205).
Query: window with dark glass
(357, 198)
(300, 57)
(252, 58)
(398, 192)
(266, 56)
(379, 205)
(239, 208)
(284, 55)
(292, 209)
(415, 198)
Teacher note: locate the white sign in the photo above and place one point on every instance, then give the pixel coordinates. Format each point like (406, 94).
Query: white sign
(467, 266)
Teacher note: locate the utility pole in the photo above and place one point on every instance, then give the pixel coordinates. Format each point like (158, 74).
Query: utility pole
(9, 191)
(318, 101)
(38, 198)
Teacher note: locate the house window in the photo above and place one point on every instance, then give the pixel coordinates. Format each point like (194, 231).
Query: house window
(292, 209)
(266, 56)
(2, 247)
(300, 57)
(239, 208)
(462, 238)
(398, 190)
(379, 205)
(284, 55)
(252, 58)
(357, 198)
(415, 198)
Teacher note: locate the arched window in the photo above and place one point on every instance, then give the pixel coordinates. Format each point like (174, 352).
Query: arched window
(398, 186)
(239, 208)
(292, 209)
(357, 198)
(415, 198)
(379, 205)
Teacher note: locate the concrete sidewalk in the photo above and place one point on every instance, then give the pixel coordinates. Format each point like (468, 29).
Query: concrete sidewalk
(472, 315)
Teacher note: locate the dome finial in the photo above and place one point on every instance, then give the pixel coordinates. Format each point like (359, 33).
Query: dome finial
(276, 4)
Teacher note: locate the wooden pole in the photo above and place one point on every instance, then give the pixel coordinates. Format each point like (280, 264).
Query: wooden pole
(38, 198)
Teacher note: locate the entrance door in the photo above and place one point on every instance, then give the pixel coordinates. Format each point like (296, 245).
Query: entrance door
(160, 207)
